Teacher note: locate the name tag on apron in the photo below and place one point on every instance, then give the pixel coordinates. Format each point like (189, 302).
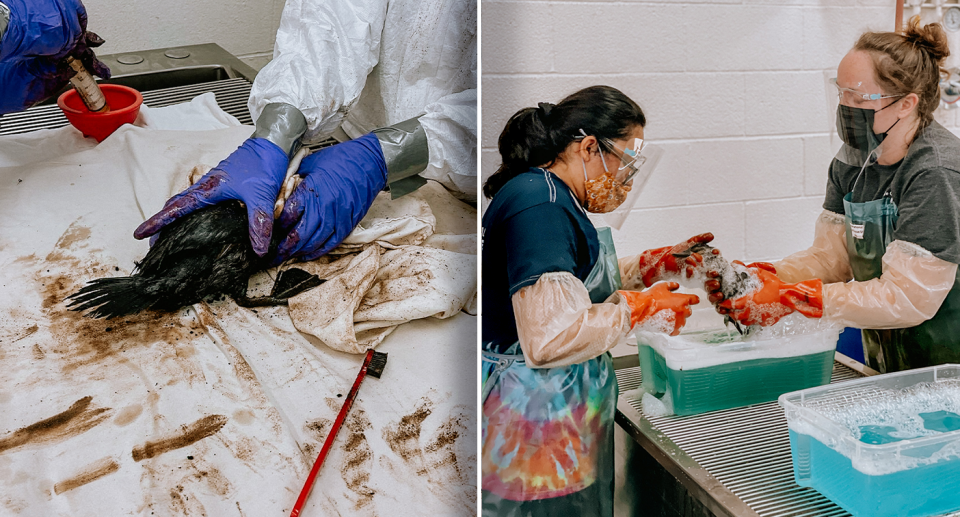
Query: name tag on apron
(857, 230)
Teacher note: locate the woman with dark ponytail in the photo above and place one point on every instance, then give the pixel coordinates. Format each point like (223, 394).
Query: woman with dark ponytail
(553, 304)
(891, 219)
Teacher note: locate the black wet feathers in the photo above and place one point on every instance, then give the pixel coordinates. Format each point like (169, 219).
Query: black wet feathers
(200, 256)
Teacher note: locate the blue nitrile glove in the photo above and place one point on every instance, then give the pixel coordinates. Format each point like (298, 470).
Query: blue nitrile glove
(339, 185)
(39, 35)
(253, 174)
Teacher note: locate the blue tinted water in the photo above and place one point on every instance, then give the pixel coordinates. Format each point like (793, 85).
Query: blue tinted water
(939, 421)
(878, 434)
(924, 491)
(942, 421)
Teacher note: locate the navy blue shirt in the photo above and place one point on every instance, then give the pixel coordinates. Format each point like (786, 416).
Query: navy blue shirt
(534, 225)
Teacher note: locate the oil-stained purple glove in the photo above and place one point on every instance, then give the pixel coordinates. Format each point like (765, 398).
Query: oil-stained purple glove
(339, 185)
(253, 174)
(40, 34)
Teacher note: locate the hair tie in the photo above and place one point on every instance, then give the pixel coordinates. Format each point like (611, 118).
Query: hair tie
(545, 108)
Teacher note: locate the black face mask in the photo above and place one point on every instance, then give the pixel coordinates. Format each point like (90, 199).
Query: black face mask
(855, 127)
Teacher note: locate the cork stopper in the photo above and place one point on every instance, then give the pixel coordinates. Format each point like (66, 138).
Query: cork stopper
(88, 89)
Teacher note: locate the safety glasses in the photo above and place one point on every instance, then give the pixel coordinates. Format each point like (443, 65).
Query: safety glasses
(851, 96)
(631, 160)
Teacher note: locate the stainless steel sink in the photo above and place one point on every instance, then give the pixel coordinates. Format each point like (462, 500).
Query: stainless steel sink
(170, 67)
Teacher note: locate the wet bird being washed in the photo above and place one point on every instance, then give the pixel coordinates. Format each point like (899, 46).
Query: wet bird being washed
(200, 256)
(733, 280)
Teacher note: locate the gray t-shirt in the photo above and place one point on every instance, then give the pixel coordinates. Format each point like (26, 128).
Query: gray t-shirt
(925, 185)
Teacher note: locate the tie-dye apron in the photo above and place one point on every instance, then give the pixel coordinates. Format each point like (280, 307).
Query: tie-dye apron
(548, 432)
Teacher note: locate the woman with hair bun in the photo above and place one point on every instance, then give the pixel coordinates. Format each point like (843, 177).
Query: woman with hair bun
(891, 219)
(553, 303)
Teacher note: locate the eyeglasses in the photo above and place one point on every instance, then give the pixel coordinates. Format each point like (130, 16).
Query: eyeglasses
(630, 159)
(850, 95)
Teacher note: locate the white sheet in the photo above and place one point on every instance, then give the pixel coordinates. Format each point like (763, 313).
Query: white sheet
(262, 394)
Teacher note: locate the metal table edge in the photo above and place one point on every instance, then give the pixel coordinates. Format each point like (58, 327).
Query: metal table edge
(700, 483)
(697, 480)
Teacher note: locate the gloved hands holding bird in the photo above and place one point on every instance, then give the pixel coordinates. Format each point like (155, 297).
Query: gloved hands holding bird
(774, 298)
(38, 38)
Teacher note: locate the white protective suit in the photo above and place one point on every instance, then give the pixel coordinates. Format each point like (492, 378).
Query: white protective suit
(365, 64)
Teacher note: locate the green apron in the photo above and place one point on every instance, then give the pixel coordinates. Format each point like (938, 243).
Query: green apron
(869, 229)
(547, 433)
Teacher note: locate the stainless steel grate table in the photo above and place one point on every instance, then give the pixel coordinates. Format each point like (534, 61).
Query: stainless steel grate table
(736, 461)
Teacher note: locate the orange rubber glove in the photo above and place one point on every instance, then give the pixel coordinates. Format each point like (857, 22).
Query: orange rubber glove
(713, 289)
(775, 300)
(658, 263)
(645, 304)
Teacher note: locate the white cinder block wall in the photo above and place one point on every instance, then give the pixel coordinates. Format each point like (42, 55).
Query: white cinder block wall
(245, 28)
(732, 89)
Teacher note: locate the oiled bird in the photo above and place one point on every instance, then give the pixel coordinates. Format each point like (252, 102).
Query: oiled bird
(203, 255)
(734, 282)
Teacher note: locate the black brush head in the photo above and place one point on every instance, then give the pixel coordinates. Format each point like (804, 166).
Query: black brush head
(377, 363)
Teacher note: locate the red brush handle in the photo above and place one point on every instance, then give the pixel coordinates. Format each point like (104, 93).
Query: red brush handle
(330, 437)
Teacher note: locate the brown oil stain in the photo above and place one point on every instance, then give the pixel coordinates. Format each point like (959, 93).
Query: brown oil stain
(88, 474)
(78, 419)
(248, 381)
(26, 258)
(309, 452)
(439, 452)
(189, 434)
(83, 342)
(437, 457)
(358, 458)
(243, 416)
(75, 234)
(213, 478)
(128, 414)
(244, 448)
(246, 376)
(185, 503)
(318, 429)
(15, 506)
(27, 332)
(404, 438)
(38, 352)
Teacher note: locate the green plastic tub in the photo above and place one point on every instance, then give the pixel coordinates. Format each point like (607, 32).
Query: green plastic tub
(718, 369)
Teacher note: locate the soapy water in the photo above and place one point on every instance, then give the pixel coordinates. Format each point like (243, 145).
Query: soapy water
(735, 280)
(878, 416)
(794, 324)
(664, 321)
(654, 407)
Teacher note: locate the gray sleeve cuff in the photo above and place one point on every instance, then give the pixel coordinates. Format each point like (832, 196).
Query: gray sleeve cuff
(405, 151)
(282, 124)
(4, 19)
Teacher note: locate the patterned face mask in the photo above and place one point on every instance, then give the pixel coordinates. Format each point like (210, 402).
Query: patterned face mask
(855, 127)
(605, 193)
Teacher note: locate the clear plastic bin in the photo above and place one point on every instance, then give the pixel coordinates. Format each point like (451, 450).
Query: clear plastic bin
(887, 445)
(711, 370)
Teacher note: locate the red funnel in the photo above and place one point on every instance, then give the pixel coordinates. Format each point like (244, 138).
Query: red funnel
(124, 105)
